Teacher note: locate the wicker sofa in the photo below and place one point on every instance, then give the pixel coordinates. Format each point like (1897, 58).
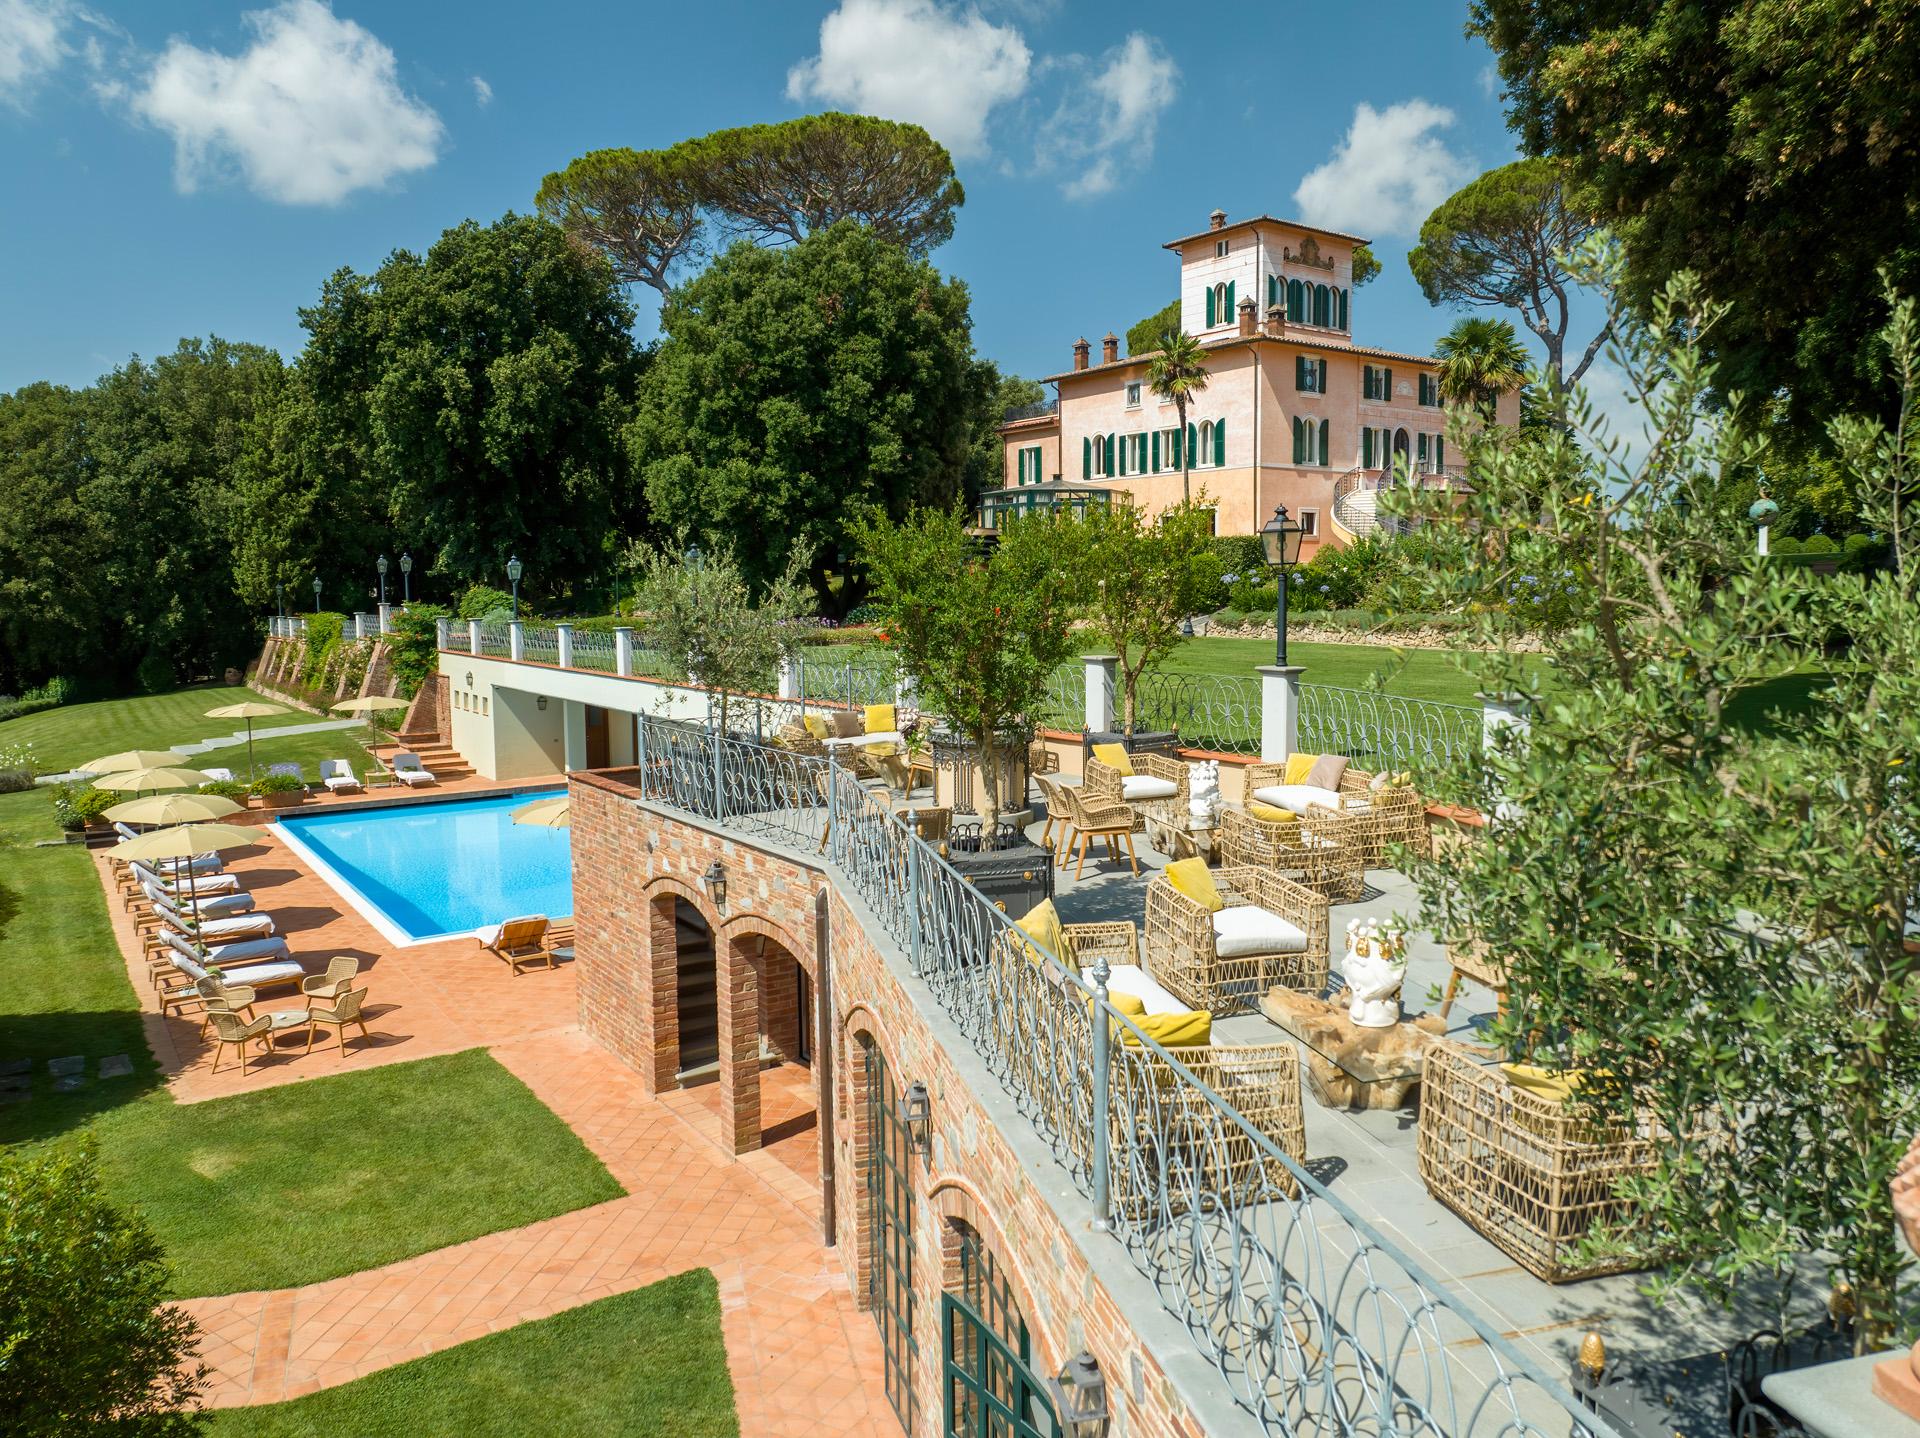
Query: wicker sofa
(1532, 1177)
(1184, 955)
(1312, 850)
(1371, 817)
(1171, 1146)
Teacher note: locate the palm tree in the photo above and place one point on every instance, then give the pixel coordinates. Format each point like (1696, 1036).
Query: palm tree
(1480, 359)
(1178, 373)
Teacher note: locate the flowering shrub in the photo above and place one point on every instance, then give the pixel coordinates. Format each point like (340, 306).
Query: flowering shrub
(16, 768)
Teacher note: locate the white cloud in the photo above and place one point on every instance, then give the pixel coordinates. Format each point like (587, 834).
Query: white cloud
(1387, 175)
(940, 67)
(1616, 410)
(31, 45)
(307, 114)
(482, 92)
(1489, 81)
(1106, 121)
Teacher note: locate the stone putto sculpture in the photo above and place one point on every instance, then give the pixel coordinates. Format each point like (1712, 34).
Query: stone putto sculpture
(1375, 966)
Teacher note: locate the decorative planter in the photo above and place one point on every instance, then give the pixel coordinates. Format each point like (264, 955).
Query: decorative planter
(292, 799)
(957, 783)
(1013, 878)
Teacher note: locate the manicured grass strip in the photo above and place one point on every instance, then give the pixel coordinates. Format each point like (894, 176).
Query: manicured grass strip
(308, 1181)
(650, 1362)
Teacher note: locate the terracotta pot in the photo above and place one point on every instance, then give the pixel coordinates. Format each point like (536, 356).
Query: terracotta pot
(292, 799)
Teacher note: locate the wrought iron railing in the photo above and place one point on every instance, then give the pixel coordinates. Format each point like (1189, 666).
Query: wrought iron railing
(594, 649)
(1316, 1323)
(496, 640)
(1220, 712)
(853, 684)
(1387, 731)
(1031, 411)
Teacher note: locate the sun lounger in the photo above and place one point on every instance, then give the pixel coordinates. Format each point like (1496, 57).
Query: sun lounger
(204, 886)
(223, 956)
(199, 863)
(409, 771)
(215, 931)
(222, 776)
(338, 777)
(220, 906)
(519, 942)
(255, 976)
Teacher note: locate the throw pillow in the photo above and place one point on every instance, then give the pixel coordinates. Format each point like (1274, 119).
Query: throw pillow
(1298, 766)
(847, 724)
(1042, 922)
(1554, 1085)
(880, 720)
(1268, 814)
(1327, 771)
(1193, 1029)
(1114, 756)
(1190, 877)
(817, 726)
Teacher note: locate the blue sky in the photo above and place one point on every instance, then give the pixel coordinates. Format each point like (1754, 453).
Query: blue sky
(193, 168)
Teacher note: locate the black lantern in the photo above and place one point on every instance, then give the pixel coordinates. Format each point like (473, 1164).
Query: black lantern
(1080, 1395)
(716, 881)
(316, 594)
(1282, 539)
(696, 561)
(916, 1112)
(280, 600)
(406, 580)
(380, 565)
(514, 571)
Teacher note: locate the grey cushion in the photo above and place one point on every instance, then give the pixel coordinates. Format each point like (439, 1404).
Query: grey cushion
(1327, 771)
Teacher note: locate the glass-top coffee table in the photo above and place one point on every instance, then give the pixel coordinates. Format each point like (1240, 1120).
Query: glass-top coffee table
(1169, 822)
(1352, 1067)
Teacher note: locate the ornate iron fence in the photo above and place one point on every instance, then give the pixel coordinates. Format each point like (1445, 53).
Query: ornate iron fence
(1065, 706)
(1386, 731)
(496, 640)
(1316, 1323)
(594, 649)
(848, 683)
(1220, 712)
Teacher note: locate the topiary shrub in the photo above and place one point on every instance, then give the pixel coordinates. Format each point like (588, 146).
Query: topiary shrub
(154, 674)
(225, 789)
(482, 602)
(1819, 544)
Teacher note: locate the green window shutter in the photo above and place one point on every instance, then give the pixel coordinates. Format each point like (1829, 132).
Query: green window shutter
(1193, 443)
(1109, 454)
(1386, 384)
(1296, 439)
(1209, 306)
(1440, 451)
(1323, 377)
(1343, 309)
(1300, 372)
(1086, 458)
(1227, 318)
(1366, 449)
(1323, 441)
(1174, 451)
(1219, 442)
(1422, 448)
(1156, 451)
(1122, 467)
(1273, 283)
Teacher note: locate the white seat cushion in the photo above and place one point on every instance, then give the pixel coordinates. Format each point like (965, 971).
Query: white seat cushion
(1295, 798)
(1145, 786)
(860, 741)
(1243, 929)
(1132, 979)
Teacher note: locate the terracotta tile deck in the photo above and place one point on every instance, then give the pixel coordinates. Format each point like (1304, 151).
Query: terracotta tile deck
(804, 1359)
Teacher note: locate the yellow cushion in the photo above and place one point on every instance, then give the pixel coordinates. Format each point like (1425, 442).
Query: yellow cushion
(1298, 766)
(1042, 922)
(1132, 1005)
(1267, 813)
(1190, 877)
(880, 719)
(1551, 1084)
(1114, 756)
(1192, 1029)
(816, 726)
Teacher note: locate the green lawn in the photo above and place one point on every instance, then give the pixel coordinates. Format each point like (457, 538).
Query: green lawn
(1414, 673)
(646, 1363)
(69, 735)
(284, 1186)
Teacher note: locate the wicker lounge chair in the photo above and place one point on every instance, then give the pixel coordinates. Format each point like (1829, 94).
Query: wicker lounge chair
(1223, 961)
(341, 972)
(1089, 819)
(1373, 815)
(342, 1013)
(520, 943)
(1308, 850)
(1529, 1174)
(1145, 778)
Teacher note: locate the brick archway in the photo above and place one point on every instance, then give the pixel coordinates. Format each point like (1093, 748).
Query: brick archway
(764, 987)
(958, 1202)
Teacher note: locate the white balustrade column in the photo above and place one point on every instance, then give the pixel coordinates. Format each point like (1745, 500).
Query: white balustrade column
(623, 650)
(906, 694)
(473, 637)
(1504, 719)
(386, 619)
(442, 633)
(516, 641)
(1279, 711)
(788, 676)
(1102, 670)
(359, 624)
(565, 634)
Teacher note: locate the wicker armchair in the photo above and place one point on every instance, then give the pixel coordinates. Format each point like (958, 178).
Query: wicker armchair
(1089, 818)
(1105, 783)
(1310, 851)
(795, 739)
(1371, 819)
(1183, 957)
(1528, 1174)
(1471, 959)
(231, 1032)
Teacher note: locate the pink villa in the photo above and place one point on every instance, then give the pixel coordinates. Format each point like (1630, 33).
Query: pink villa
(1294, 412)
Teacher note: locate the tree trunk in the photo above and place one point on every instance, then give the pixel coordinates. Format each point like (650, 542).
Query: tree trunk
(985, 756)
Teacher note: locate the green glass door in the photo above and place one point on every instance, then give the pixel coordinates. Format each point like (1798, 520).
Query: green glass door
(890, 1231)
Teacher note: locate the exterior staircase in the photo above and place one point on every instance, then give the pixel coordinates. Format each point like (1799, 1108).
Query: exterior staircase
(441, 760)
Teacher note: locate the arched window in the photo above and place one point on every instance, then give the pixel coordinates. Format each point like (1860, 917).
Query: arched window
(1296, 302)
(1222, 305)
(1204, 453)
(1322, 301)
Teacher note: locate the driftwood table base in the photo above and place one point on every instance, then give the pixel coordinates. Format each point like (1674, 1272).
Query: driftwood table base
(1349, 1066)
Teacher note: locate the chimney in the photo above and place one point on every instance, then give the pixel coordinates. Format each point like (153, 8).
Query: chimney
(1081, 349)
(1276, 320)
(1217, 220)
(1246, 318)
(1110, 348)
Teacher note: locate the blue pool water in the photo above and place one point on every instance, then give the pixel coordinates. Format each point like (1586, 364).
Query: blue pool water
(426, 871)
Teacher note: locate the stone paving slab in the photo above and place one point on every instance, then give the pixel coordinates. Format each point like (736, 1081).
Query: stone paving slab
(72, 1064)
(116, 1066)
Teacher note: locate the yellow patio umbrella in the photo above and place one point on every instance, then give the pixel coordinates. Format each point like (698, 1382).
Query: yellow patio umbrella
(249, 711)
(184, 841)
(131, 759)
(370, 705)
(165, 809)
(552, 812)
(140, 781)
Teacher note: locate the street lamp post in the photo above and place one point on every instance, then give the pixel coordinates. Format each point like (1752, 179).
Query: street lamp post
(1282, 539)
(380, 565)
(316, 594)
(280, 601)
(406, 579)
(514, 571)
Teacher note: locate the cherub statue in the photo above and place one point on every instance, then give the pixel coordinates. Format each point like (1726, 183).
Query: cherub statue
(1376, 964)
(1203, 789)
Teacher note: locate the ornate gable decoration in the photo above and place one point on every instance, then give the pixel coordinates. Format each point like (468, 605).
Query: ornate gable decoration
(1307, 254)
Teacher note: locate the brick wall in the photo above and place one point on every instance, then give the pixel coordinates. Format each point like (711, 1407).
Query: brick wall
(629, 862)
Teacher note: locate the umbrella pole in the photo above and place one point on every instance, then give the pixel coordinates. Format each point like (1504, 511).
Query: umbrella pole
(252, 772)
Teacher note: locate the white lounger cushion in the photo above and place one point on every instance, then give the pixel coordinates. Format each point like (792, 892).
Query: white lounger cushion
(1246, 929)
(860, 741)
(336, 774)
(186, 959)
(1145, 786)
(212, 931)
(217, 907)
(1295, 798)
(203, 885)
(258, 975)
(1134, 980)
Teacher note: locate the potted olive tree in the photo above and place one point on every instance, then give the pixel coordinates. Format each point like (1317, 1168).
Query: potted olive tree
(979, 629)
(1145, 577)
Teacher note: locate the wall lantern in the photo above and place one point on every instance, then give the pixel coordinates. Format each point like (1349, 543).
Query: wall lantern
(716, 881)
(469, 679)
(916, 1112)
(542, 701)
(1080, 1395)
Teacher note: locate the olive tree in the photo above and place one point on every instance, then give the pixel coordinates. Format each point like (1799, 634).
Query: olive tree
(1145, 577)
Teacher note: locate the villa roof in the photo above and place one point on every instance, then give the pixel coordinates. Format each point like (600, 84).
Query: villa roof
(1267, 220)
(1230, 341)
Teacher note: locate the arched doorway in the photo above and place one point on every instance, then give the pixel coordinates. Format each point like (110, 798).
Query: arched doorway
(987, 1376)
(886, 1171)
(697, 1055)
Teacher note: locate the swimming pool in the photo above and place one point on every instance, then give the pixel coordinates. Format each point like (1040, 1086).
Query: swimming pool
(419, 872)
